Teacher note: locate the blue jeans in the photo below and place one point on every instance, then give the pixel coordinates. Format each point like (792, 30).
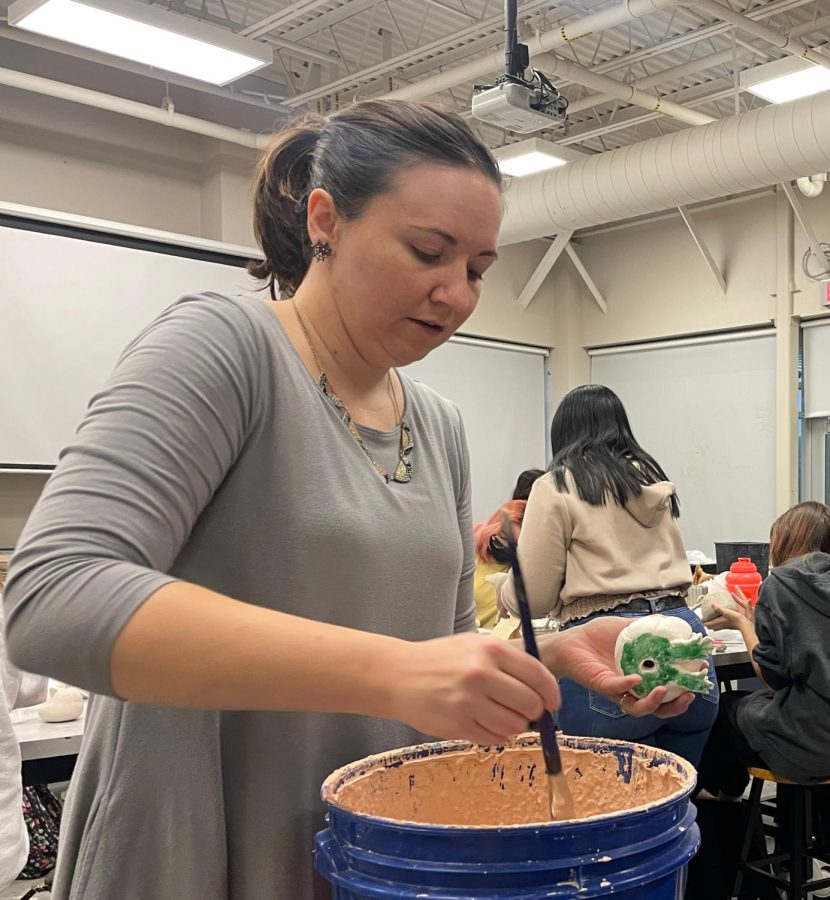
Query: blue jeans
(587, 713)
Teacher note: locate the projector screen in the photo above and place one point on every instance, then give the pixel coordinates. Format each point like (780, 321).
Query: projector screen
(68, 307)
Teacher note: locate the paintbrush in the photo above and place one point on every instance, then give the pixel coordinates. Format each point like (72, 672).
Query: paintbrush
(561, 801)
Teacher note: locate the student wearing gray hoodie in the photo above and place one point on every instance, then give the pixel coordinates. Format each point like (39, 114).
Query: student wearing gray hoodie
(785, 728)
(600, 537)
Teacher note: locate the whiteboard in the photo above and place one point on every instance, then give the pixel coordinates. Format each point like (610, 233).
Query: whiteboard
(68, 307)
(705, 409)
(501, 391)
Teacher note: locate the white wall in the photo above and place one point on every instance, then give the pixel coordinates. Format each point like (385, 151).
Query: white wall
(104, 190)
(657, 285)
(226, 213)
(817, 212)
(98, 164)
(498, 315)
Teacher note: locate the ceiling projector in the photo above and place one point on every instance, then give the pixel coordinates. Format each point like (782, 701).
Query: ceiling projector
(518, 105)
(514, 102)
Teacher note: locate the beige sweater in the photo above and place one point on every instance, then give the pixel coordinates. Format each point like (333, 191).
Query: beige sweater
(577, 559)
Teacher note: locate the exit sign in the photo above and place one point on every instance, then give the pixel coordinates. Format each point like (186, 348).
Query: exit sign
(825, 293)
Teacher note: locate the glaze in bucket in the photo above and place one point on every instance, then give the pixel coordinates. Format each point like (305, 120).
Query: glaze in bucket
(447, 821)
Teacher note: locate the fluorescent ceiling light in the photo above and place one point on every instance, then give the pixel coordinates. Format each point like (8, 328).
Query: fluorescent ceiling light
(533, 155)
(156, 37)
(785, 79)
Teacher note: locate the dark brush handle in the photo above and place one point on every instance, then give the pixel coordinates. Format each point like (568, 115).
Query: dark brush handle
(546, 725)
(550, 746)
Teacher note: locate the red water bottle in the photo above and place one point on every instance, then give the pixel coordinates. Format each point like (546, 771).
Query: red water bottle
(743, 574)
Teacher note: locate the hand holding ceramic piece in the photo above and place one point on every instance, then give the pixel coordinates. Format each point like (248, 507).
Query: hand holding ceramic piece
(723, 599)
(664, 651)
(497, 579)
(64, 704)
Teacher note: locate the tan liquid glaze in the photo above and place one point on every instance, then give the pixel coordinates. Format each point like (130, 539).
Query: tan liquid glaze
(502, 787)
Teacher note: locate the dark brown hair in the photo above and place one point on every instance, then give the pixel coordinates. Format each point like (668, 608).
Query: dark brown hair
(525, 482)
(354, 154)
(803, 529)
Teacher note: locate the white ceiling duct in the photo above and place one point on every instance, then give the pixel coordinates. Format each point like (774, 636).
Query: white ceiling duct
(741, 153)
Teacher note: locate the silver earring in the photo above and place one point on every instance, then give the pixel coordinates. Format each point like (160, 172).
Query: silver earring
(321, 251)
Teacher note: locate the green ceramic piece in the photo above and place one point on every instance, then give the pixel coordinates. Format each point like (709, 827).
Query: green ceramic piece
(654, 658)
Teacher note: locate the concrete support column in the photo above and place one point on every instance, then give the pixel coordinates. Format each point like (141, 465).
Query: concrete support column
(569, 363)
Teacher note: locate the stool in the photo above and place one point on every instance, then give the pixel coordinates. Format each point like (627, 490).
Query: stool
(797, 835)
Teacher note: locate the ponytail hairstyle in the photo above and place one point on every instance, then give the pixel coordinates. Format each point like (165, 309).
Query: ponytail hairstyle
(591, 438)
(355, 154)
(801, 530)
(281, 189)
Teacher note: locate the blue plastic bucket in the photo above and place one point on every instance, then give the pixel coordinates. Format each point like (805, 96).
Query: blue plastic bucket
(375, 847)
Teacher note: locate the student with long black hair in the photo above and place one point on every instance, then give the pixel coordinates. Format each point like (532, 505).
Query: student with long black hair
(599, 538)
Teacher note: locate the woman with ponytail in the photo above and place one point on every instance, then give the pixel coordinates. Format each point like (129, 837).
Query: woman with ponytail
(262, 523)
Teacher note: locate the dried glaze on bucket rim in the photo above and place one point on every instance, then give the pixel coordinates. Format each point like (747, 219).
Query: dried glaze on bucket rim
(527, 741)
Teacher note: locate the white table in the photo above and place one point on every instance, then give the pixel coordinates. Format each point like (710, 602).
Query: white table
(732, 663)
(41, 740)
(49, 749)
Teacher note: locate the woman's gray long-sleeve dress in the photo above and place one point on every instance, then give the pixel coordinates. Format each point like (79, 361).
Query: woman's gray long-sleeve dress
(211, 456)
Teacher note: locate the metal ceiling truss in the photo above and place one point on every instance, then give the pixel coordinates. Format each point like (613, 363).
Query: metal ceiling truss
(682, 60)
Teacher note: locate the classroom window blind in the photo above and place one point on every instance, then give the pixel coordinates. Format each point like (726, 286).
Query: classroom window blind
(816, 349)
(705, 409)
(501, 392)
